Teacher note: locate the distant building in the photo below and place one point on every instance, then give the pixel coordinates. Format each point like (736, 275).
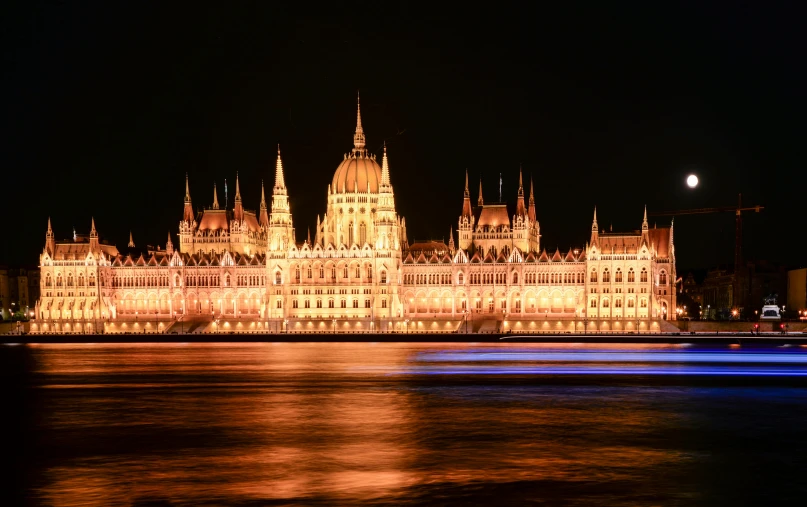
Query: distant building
(797, 289)
(718, 294)
(19, 290)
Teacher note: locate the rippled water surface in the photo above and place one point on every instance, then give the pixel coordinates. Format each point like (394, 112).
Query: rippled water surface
(398, 424)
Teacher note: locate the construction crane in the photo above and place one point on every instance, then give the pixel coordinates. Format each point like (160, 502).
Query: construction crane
(738, 232)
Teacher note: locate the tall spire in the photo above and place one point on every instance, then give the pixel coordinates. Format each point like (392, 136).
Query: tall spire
(263, 219)
(358, 137)
(644, 220)
(169, 246)
(93, 232)
(50, 242)
(594, 226)
(215, 197)
(280, 182)
(480, 201)
(187, 214)
(384, 169)
(238, 211)
(451, 239)
(466, 200)
(520, 182)
(521, 210)
(531, 209)
(131, 241)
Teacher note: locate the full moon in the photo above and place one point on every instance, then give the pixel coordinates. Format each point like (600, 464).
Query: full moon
(692, 181)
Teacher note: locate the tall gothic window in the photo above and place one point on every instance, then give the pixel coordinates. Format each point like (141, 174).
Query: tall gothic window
(631, 276)
(644, 275)
(662, 278)
(278, 278)
(618, 276)
(593, 276)
(383, 277)
(606, 276)
(362, 234)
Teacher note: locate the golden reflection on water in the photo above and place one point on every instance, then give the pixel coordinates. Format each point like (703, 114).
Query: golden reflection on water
(196, 424)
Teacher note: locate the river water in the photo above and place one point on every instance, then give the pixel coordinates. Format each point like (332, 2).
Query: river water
(398, 424)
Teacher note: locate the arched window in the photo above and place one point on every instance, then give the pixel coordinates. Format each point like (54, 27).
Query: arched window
(177, 281)
(631, 303)
(618, 276)
(369, 272)
(321, 272)
(48, 281)
(644, 275)
(355, 303)
(662, 278)
(605, 303)
(383, 277)
(362, 235)
(227, 280)
(70, 280)
(309, 272)
(606, 276)
(278, 278)
(594, 303)
(631, 276)
(330, 303)
(319, 303)
(617, 303)
(644, 303)
(81, 280)
(343, 303)
(515, 278)
(358, 272)
(92, 280)
(460, 278)
(344, 272)
(297, 274)
(593, 276)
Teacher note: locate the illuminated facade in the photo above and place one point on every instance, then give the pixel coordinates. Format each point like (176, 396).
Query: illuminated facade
(239, 270)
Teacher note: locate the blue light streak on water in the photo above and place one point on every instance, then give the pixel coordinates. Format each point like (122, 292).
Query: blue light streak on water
(620, 357)
(615, 370)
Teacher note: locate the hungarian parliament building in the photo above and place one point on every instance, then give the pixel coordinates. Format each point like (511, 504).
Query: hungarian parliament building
(234, 270)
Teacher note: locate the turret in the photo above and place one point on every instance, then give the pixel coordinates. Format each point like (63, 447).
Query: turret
(281, 230)
(595, 230)
(521, 210)
(169, 246)
(50, 242)
(93, 236)
(263, 219)
(215, 197)
(187, 214)
(466, 200)
(531, 212)
(131, 241)
(480, 201)
(238, 210)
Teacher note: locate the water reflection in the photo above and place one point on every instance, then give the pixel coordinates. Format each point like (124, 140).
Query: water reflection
(246, 424)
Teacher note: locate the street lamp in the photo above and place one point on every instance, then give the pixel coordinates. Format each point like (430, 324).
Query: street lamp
(334, 325)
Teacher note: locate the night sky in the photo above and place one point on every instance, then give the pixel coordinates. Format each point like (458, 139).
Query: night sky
(106, 107)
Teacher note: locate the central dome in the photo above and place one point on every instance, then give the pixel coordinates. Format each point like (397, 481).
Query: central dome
(359, 172)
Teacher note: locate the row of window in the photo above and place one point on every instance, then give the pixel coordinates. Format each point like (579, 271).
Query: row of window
(618, 303)
(331, 303)
(332, 272)
(60, 281)
(606, 276)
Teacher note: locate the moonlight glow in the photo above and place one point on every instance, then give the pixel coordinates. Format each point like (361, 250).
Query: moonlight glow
(692, 181)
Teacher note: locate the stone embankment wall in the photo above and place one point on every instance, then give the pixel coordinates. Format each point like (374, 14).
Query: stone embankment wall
(709, 326)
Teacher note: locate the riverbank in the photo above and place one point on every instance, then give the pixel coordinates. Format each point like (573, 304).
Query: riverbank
(799, 339)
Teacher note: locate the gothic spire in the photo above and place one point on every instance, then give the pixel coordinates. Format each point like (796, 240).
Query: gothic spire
(238, 211)
(466, 199)
(594, 226)
(521, 210)
(215, 197)
(187, 214)
(280, 182)
(358, 137)
(384, 169)
(480, 201)
(467, 192)
(131, 241)
(169, 245)
(263, 219)
(531, 208)
(92, 228)
(644, 220)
